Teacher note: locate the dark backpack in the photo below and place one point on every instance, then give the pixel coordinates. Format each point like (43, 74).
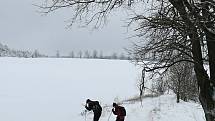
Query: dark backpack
(122, 111)
(97, 106)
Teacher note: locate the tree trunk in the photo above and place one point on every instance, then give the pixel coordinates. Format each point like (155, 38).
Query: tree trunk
(178, 96)
(204, 83)
(207, 92)
(178, 91)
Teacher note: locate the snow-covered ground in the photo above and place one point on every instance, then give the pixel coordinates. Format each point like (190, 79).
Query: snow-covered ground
(162, 108)
(54, 89)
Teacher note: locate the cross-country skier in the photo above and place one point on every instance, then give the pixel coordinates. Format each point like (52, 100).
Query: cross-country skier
(119, 111)
(95, 106)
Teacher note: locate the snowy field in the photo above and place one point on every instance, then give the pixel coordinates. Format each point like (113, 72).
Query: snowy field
(49, 89)
(55, 89)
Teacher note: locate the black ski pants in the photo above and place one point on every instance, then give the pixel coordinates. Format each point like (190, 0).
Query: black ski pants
(96, 116)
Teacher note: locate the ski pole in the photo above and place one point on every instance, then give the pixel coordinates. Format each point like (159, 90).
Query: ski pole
(85, 115)
(109, 116)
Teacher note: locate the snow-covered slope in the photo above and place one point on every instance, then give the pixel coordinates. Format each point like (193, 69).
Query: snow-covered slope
(162, 108)
(48, 89)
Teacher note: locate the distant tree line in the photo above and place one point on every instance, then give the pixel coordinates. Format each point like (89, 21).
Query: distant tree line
(5, 51)
(94, 55)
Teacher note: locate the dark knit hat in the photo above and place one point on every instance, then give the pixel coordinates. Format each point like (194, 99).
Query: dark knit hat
(114, 104)
(88, 100)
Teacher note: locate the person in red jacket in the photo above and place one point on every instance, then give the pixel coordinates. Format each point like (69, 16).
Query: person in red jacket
(119, 111)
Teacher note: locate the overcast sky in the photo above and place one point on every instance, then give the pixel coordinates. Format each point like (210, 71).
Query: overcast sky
(22, 27)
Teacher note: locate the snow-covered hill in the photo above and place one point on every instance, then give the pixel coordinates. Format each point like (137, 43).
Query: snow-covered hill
(162, 108)
(48, 89)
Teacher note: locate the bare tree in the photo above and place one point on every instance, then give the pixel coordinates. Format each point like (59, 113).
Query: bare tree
(87, 54)
(71, 54)
(101, 55)
(35, 54)
(58, 54)
(95, 54)
(114, 56)
(182, 81)
(183, 26)
(160, 85)
(122, 56)
(80, 54)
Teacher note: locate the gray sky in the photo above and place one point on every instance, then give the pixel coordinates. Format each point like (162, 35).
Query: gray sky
(21, 27)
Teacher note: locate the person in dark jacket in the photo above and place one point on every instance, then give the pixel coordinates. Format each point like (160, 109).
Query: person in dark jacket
(119, 111)
(95, 106)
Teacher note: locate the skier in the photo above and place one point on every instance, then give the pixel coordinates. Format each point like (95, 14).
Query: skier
(95, 106)
(119, 111)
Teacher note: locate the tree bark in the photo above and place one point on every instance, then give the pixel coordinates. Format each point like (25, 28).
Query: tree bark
(207, 93)
(178, 91)
(208, 88)
(204, 83)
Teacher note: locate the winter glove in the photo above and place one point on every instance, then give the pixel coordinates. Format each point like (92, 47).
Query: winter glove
(113, 110)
